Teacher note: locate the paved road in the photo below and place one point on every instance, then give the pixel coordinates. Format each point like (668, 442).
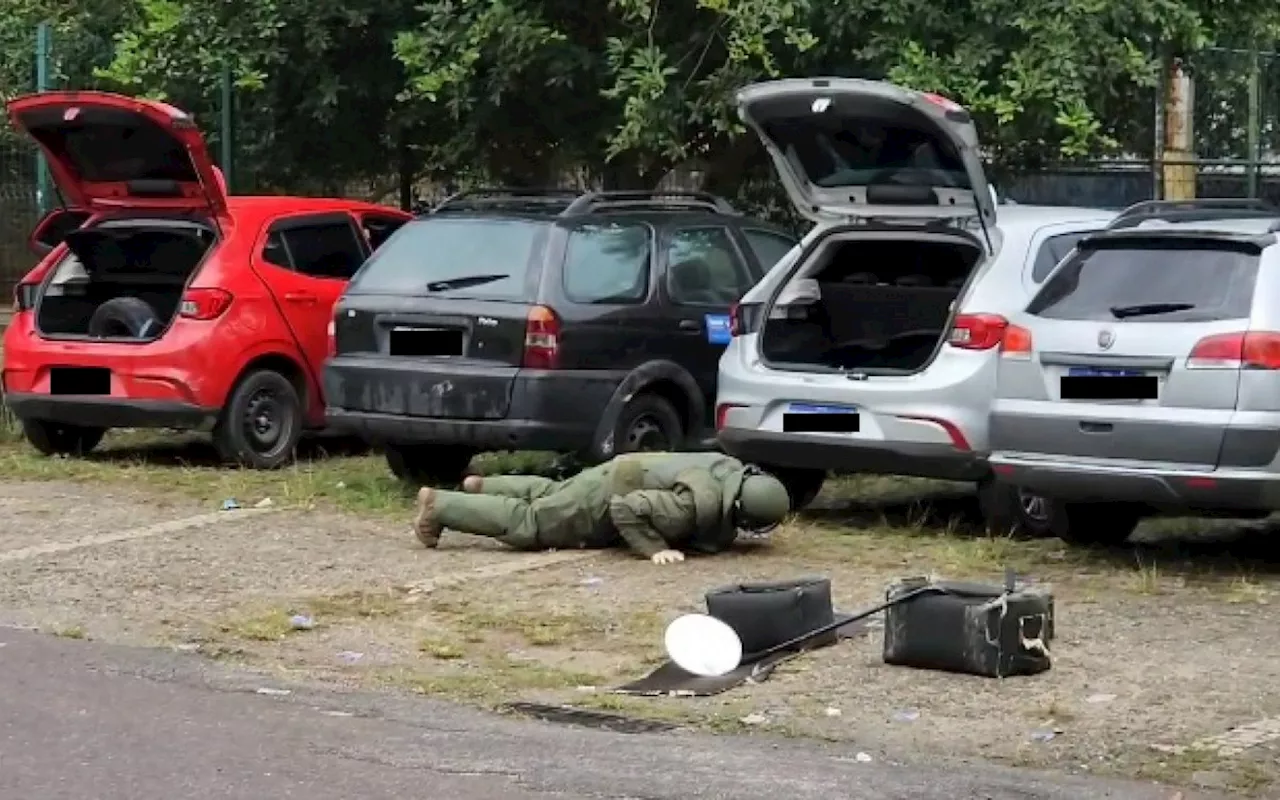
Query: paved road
(81, 719)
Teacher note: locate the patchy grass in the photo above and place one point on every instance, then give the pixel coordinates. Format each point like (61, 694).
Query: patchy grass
(334, 473)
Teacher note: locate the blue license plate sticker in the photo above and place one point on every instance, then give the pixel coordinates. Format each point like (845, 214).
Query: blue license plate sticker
(808, 408)
(1095, 372)
(718, 328)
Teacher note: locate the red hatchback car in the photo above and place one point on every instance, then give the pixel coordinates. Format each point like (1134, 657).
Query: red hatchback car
(161, 301)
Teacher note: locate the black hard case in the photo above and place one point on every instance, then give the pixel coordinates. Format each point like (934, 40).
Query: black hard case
(970, 628)
(765, 615)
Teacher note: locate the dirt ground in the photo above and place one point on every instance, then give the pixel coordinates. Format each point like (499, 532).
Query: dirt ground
(1159, 655)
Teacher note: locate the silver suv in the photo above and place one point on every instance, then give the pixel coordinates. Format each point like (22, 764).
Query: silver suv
(1145, 374)
(871, 346)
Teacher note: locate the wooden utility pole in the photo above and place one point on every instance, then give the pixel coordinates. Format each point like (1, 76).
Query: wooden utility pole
(1179, 139)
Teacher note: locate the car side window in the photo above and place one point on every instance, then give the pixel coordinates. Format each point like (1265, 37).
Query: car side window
(607, 263)
(704, 268)
(378, 228)
(326, 247)
(768, 247)
(1052, 250)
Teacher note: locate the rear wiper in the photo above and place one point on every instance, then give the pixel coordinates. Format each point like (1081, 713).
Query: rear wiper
(463, 282)
(1148, 309)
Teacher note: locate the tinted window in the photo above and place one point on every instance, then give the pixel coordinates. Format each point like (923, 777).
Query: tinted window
(1051, 253)
(110, 145)
(324, 250)
(836, 149)
(496, 253)
(769, 248)
(608, 263)
(1214, 279)
(703, 268)
(378, 229)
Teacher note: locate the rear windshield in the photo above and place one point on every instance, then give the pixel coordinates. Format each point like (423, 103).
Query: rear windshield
(454, 257)
(835, 150)
(1152, 281)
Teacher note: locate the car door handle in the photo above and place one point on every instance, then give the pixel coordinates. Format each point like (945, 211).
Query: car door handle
(690, 325)
(300, 297)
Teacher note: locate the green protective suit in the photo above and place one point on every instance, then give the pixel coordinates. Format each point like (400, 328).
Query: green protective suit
(648, 501)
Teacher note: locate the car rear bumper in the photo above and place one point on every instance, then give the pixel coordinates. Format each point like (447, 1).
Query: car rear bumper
(545, 410)
(922, 459)
(1164, 488)
(111, 412)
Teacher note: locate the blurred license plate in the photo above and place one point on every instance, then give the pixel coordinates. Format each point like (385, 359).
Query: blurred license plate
(806, 418)
(1092, 383)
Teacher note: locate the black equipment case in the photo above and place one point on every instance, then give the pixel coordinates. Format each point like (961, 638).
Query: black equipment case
(766, 615)
(970, 628)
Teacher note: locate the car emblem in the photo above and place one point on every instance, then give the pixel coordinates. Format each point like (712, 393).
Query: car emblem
(1106, 339)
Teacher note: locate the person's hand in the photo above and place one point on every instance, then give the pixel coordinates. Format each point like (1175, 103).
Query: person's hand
(667, 557)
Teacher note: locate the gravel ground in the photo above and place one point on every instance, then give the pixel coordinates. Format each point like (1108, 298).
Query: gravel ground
(1158, 647)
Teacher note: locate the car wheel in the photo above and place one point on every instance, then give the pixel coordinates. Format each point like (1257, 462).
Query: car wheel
(421, 464)
(261, 423)
(803, 485)
(58, 439)
(647, 423)
(1012, 510)
(124, 318)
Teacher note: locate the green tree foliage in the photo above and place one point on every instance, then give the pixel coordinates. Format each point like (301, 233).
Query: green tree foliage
(522, 90)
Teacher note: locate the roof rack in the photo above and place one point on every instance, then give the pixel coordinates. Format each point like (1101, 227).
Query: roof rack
(1198, 210)
(569, 202)
(506, 197)
(597, 201)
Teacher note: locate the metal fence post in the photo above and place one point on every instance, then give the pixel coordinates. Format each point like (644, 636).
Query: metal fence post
(44, 52)
(1254, 130)
(228, 127)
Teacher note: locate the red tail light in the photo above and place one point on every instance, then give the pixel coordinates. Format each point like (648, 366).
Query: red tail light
(24, 297)
(744, 318)
(722, 414)
(331, 334)
(1016, 343)
(204, 304)
(977, 331)
(1249, 350)
(541, 339)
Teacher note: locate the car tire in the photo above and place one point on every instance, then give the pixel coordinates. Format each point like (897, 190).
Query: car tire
(1011, 510)
(647, 423)
(428, 464)
(57, 439)
(261, 423)
(124, 317)
(803, 485)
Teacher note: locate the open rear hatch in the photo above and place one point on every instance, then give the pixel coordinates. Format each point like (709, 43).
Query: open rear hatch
(439, 320)
(899, 174)
(108, 151)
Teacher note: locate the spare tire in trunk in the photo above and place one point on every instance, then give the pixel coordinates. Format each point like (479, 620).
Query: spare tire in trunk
(125, 317)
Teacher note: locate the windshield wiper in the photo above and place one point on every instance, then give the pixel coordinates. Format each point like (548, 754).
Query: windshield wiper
(1149, 309)
(463, 282)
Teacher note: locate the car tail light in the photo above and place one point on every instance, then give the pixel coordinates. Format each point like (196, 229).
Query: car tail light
(204, 304)
(1249, 350)
(331, 335)
(977, 331)
(24, 297)
(541, 339)
(1016, 343)
(744, 318)
(722, 413)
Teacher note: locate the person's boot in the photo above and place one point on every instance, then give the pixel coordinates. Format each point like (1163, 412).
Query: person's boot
(425, 525)
(473, 484)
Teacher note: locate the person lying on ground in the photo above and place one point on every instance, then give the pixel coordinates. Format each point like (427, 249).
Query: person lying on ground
(657, 504)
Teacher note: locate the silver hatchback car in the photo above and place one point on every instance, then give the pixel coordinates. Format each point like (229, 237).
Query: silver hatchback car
(871, 346)
(1145, 374)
